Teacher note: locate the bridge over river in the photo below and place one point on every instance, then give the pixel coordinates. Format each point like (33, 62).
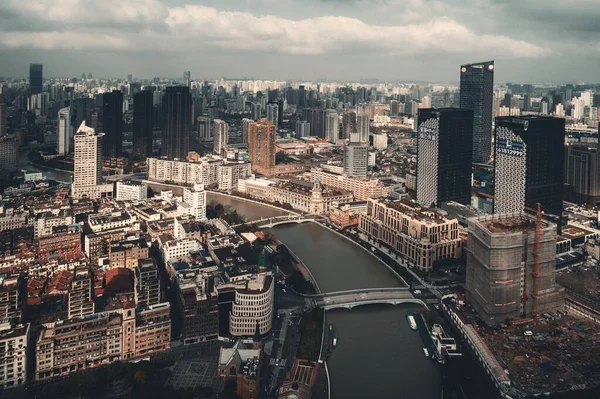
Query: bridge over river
(369, 296)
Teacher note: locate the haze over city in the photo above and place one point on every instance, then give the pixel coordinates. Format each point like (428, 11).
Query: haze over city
(532, 41)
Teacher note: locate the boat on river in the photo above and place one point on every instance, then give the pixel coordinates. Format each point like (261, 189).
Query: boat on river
(411, 322)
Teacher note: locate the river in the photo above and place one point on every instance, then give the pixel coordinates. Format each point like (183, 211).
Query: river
(378, 355)
(62, 176)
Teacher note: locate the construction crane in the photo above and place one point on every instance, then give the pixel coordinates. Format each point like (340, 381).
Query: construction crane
(536, 252)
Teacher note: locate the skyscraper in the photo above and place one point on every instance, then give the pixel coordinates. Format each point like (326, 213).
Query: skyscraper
(177, 114)
(529, 163)
(444, 156)
(477, 94)
(261, 146)
(302, 129)
(256, 111)
(316, 118)
(2, 116)
(187, 78)
(356, 159)
(332, 127)
(220, 135)
(246, 122)
(36, 78)
(348, 124)
(9, 153)
(87, 174)
(143, 108)
(582, 173)
(64, 131)
(273, 113)
(363, 125)
(112, 123)
(204, 128)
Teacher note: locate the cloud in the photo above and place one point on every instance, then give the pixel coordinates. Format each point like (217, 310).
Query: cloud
(143, 25)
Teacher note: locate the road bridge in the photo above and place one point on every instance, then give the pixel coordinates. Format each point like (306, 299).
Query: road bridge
(367, 296)
(264, 223)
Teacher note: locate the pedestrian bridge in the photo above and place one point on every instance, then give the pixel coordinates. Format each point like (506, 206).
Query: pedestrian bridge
(367, 296)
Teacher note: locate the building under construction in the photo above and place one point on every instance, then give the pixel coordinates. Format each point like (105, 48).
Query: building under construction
(510, 267)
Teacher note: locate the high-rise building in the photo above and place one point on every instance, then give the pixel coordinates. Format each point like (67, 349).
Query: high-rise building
(187, 78)
(363, 125)
(147, 283)
(356, 158)
(112, 123)
(394, 107)
(332, 127)
(261, 146)
(81, 110)
(246, 122)
(9, 153)
(177, 114)
(143, 108)
(204, 128)
(316, 118)
(87, 174)
(273, 113)
(3, 126)
(444, 156)
(36, 78)
(477, 94)
(64, 131)
(529, 163)
(220, 135)
(500, 278)
(348, 124)
(582, 173)
(194, 201)
(256, 111)
(13, 354)
(80, 301)
(302, 129)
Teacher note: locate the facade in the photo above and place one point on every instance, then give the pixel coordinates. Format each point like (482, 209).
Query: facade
(273, 113)
(252, 307)
(130, 191)
(500, 268)
(477, 95)
(420, 235)
(220, 135)
(255, 188)
(307, 197)
(360, 188)
(246, 122)
(302, 129)
(63, 244)
(9, 153)
(356, 157)
(80, 302)
(261, 146)
(242, 364)
(126, 254)
(177, 120)
(348, 124)
(229, 174)
(87, 176)
(203, 171)
(147, 283)
(204, 128)
(332, 127)
(444, 156)
(64, 131)
(36, 78)
(11, 297)
(13, 354)
(363, 125)
(347, 215)
(112, 123)
(380, 141)
(582, 173)
(194, 202)
(143, 114)
(529, 164)
(199, 305)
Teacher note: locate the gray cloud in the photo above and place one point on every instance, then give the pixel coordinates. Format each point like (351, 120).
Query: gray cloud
(390, 39)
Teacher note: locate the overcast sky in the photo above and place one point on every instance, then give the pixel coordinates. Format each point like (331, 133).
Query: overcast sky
(530, 40)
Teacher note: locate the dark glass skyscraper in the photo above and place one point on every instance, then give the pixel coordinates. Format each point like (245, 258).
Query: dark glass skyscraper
(36, 78)
(477, 94)
(444, 155)
(112, 123)
(529, 163)
(142, 123)
(177, 118)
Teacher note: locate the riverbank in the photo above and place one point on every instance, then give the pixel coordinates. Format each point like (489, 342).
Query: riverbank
(293, 212)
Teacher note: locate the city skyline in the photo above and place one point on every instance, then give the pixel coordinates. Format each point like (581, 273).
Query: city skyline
(328, 40)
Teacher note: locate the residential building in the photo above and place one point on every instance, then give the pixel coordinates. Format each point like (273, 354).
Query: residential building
(230, 173)
(332, 127)
(14, 340)
(112, 123)
(246, 122)
(147, 283)
(45, 222)
(194, 202)
(380, 141)
(529, 164)
(131, 191)
(64, 131)
(143, 122)
(477, 95)
(202, 170)
(198, 302)
(363, 124)
(205, 130)
(9, 153)
(420, 235)
(87, 176)
(63, 244)
(302, 129)
(12, 288)
(348, 124)
(360, 188)
(501, 280)
(444, 156)
(273, 113)
(80, 300)
(177, 120)
(127, 253)
(220, 135)
(261, 146)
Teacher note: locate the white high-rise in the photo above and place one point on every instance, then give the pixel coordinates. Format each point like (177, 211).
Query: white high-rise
(64, 131)
(87, 176)
(363, 125)
(220, 135)
(194, 202)
(273, 113)
(332, 127)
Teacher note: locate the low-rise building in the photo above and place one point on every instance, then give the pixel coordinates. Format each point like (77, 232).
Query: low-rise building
(256, 188)
(307, 197)
(241, 363)
(130, 191)
(44, 222)
(127, 253)
(420, 235)
(348, 214)
(362, 189)
(63, 244)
